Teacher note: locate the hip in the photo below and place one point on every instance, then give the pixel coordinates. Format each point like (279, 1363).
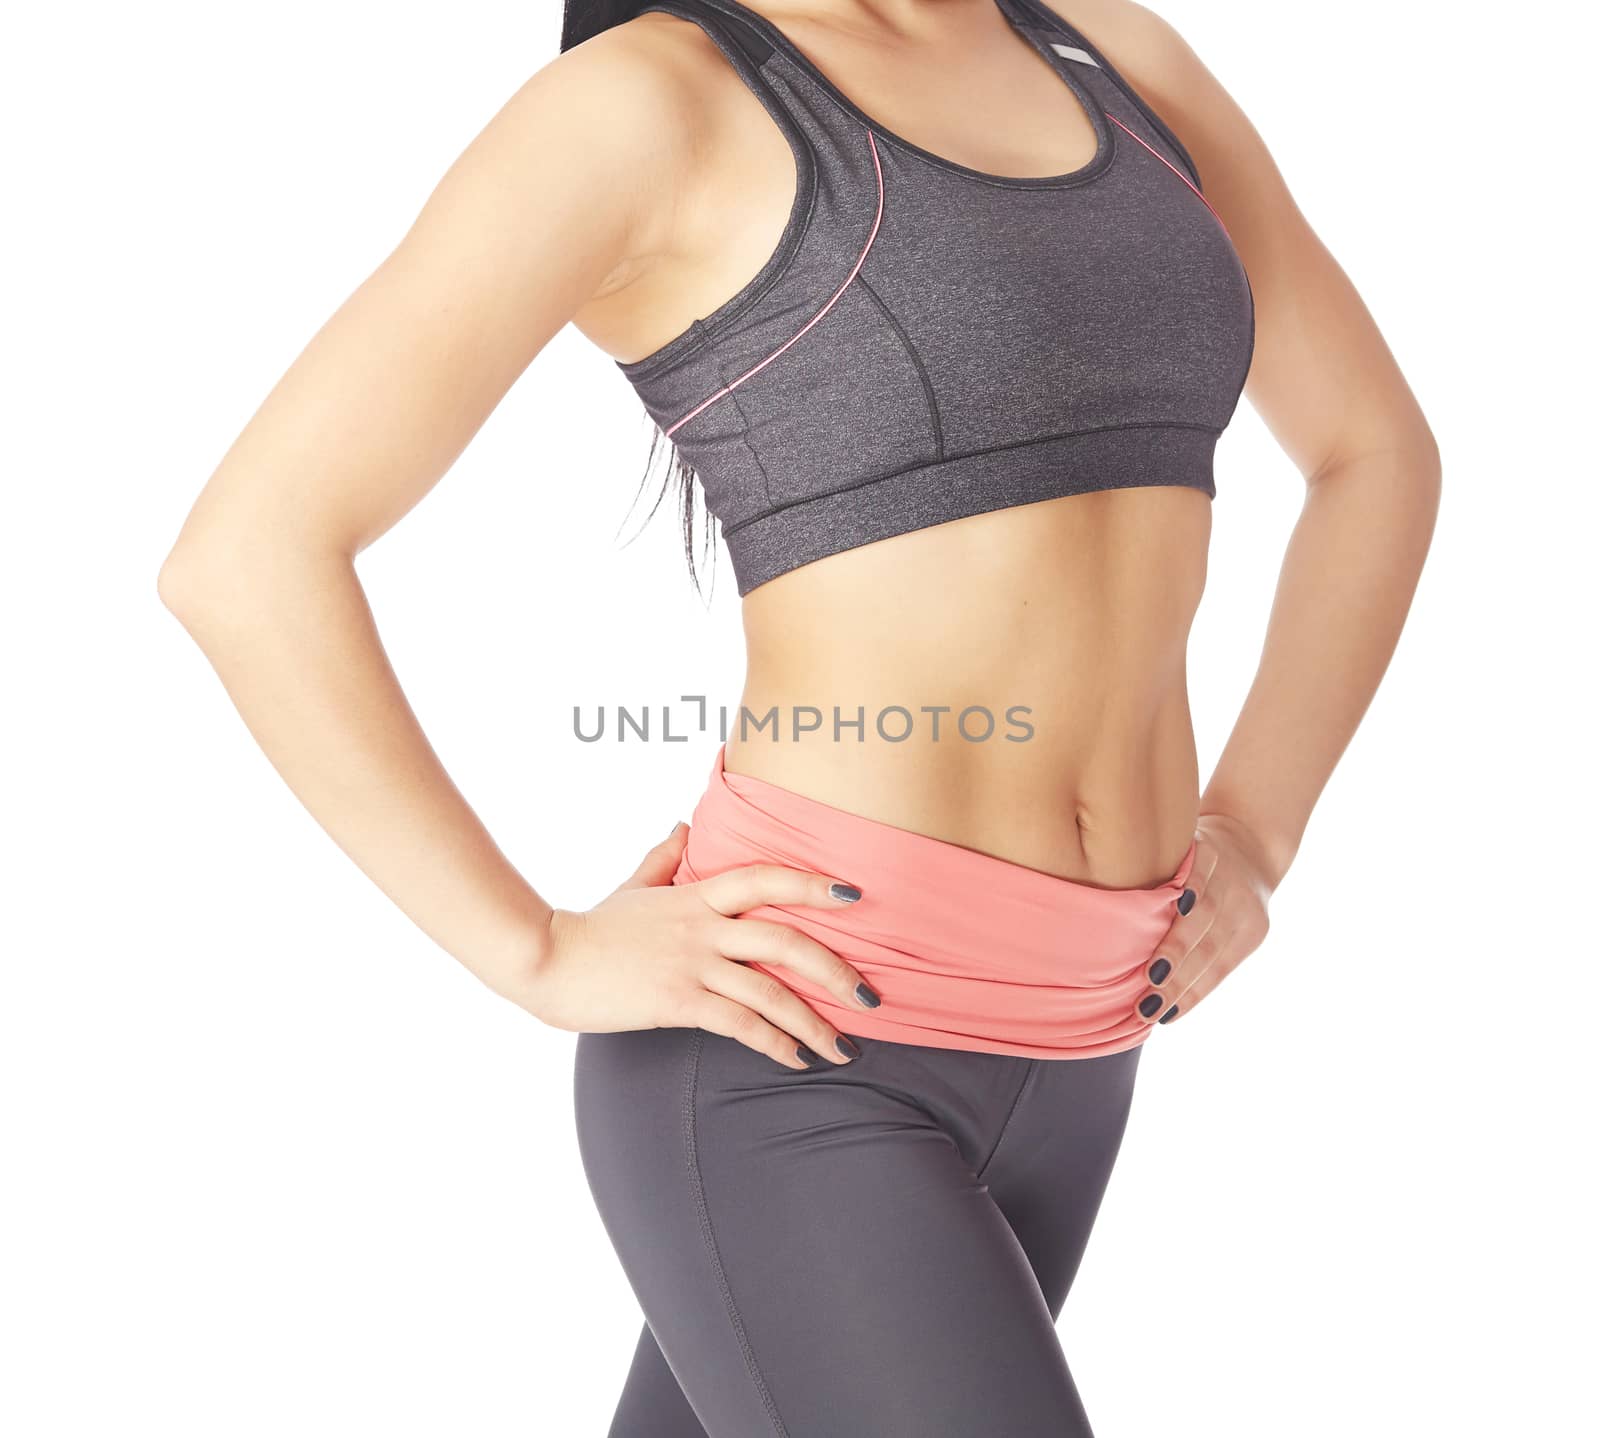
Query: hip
(966, 950)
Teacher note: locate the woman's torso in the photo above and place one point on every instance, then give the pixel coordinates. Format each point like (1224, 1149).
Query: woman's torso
(1011, 679)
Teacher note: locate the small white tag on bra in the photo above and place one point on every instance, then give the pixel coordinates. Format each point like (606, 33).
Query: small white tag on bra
(1072, 52)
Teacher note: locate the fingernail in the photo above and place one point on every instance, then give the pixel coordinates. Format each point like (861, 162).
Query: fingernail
(1171, 1013)
(1149, 1004)
(806, 1056)
(844, 893)
(1185, 903)
(845, 1047)
(866, 997)
(1159, 971)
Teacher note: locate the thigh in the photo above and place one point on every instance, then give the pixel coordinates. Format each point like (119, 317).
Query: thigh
(652, 1404)
(1049, 1170)
(813, 1252)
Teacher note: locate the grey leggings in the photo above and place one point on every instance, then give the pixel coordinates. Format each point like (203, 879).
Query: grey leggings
(875, 1250)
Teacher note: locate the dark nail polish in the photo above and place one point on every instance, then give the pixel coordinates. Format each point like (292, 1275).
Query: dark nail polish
(1185, 901)
(844, 893)
(1149, 1004)
(1171, 1013)
(1159, 971)
(867, 997)
(806, 1056)
(848, 1049)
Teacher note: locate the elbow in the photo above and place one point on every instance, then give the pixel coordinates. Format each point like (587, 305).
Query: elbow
(1405, 460)
(1393, 482)
(194, 586)
(221, 583)
(177, 585)
(1426, 468)
(213, 586)
(1420, 483)
(1424, 459)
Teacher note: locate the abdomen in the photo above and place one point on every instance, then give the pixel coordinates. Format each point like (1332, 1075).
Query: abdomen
(1013, 682)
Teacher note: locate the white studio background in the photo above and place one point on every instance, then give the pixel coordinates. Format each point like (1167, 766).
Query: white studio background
(274, 1164)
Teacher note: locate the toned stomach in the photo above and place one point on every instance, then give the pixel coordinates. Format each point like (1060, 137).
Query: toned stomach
(1013, 682)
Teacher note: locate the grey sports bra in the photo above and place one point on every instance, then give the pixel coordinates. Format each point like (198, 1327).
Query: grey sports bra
(929, 342)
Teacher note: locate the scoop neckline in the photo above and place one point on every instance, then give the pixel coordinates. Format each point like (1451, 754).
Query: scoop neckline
(1105, 136)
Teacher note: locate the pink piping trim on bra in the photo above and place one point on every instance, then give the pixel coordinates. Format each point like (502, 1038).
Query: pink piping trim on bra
(1168, 163)
(856, 269)
(877, 166)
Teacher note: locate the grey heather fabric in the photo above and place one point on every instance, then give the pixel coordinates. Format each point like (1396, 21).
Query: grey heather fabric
(879, 1248)
(1007, 340)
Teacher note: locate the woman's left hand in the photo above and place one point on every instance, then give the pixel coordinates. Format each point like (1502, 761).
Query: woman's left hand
(1223, 923)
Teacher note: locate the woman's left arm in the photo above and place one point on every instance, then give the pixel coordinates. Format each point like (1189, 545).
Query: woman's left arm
(1328, 388)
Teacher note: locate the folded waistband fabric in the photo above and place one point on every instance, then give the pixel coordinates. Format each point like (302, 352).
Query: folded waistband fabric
(966, 950)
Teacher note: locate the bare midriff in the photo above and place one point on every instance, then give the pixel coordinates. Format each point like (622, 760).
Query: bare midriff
(1013, 682)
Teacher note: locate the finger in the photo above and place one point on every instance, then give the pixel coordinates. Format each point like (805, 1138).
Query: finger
(737, 891)
(1214, 958)
(1201, 871)
(787, 947)
(784, 1009)
(1191, 923)
(1245, 936)
(661, 863)
(1186, 970)
(732, 1020)
(1180, 956)
(1196, 910)
(1185, 1003)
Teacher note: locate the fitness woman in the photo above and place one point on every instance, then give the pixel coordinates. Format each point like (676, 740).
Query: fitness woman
(941, 305)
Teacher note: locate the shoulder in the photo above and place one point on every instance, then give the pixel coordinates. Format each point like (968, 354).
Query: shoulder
(633, 104)
(634, 79)
(624, 102)
(603, 137)
(657, 69)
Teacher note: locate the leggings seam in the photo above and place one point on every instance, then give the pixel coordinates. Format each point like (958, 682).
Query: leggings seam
(697, 1185)
(1011, 1113)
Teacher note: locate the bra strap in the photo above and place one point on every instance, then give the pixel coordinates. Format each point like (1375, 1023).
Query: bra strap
(723, 22)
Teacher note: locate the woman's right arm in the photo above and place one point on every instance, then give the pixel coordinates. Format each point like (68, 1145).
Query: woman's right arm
(558, 201)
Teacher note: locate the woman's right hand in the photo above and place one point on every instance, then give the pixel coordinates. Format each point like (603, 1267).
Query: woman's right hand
(655, 954)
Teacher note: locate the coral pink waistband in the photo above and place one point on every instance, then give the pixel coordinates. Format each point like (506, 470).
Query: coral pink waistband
(966, 950)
